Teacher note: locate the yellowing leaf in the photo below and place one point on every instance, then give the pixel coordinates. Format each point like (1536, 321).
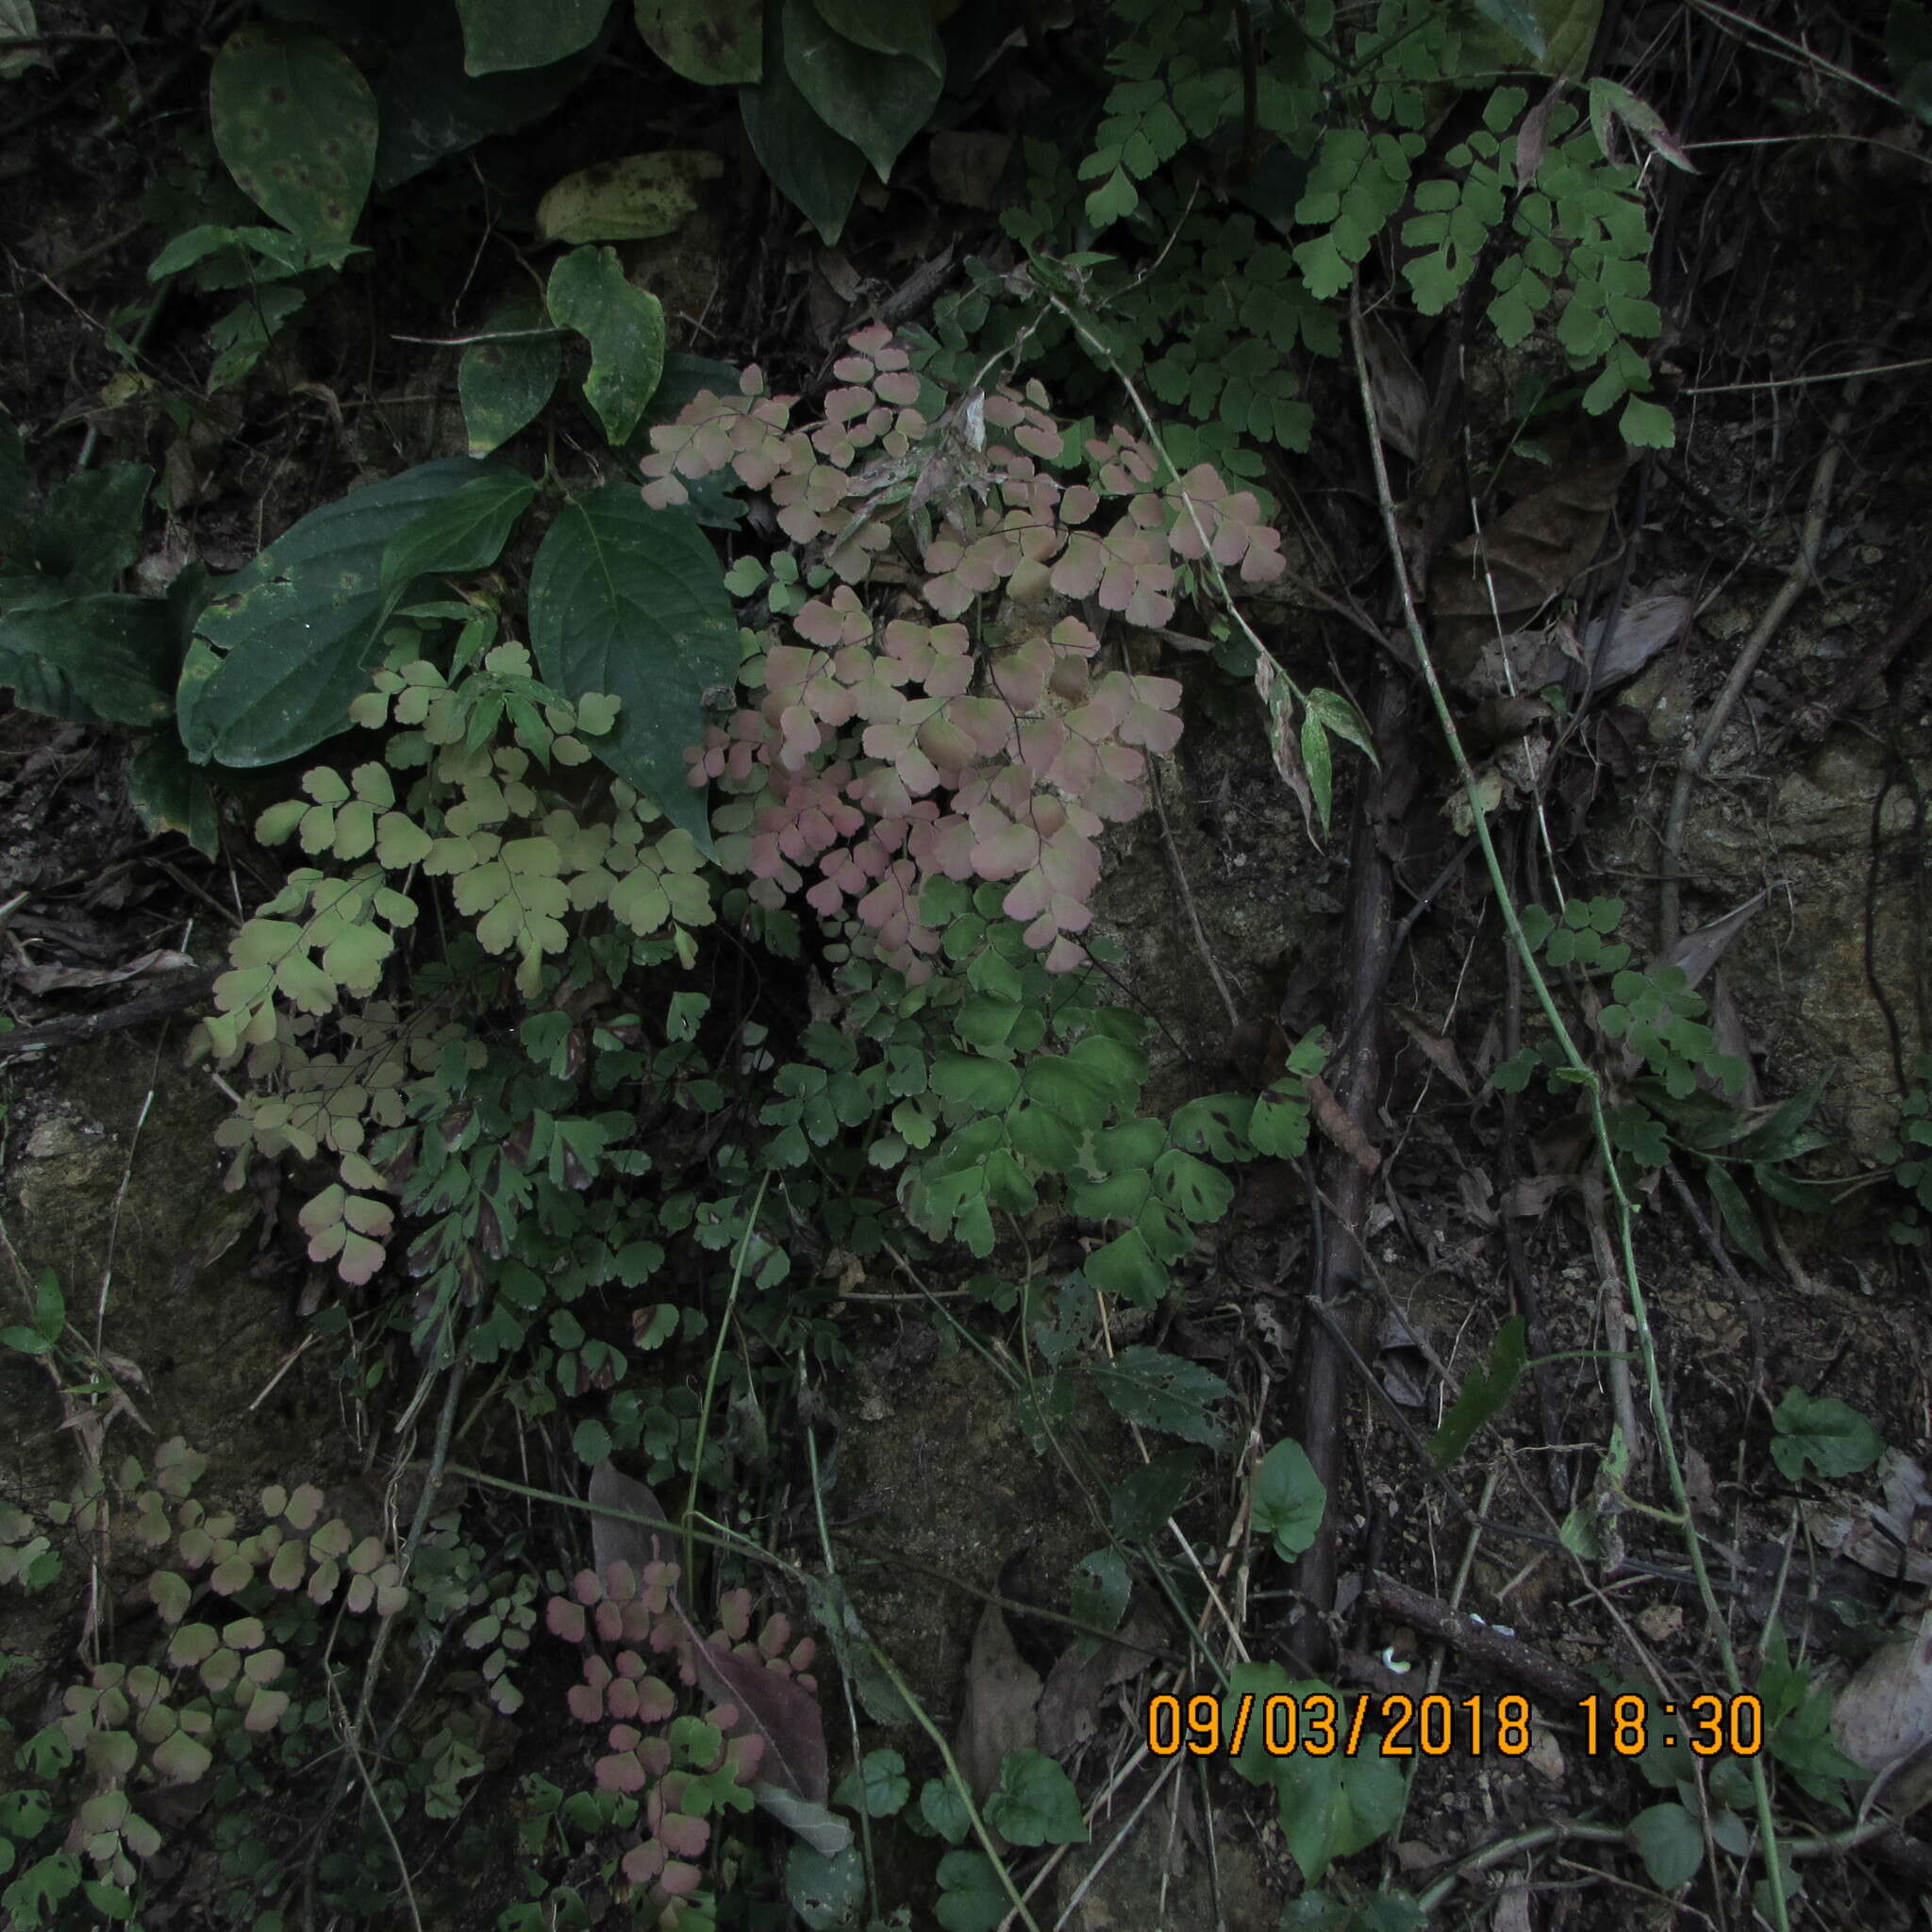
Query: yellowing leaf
(634, 199)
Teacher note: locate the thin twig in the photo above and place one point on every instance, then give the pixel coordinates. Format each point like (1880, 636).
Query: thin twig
(1180, 872)
(1798, 578)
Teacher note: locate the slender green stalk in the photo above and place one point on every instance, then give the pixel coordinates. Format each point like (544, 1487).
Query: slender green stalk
(722, 1538)
(959, 1784)
(697, 1461)
(1587, 1079)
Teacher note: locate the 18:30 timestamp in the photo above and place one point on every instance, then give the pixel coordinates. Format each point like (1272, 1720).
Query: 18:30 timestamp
(1321, 1724)
(1711, 1725)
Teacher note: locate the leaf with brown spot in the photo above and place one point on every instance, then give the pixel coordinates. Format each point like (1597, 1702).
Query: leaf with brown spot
(296, 124)
(715, 42)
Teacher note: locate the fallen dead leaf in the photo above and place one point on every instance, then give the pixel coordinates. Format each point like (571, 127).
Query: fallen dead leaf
(966, 167)
(1545, 1755)
(1893, 1540)
(1884, 1713)
(1333, 1120)
(1070, 1703)
(1402, 402)
(1000, 1711)
(1512, 1911)
(1647, 624)
(1439, 1050)
(47, 979)
(1529, 1199)
(1494, 582)
(1660, 1622)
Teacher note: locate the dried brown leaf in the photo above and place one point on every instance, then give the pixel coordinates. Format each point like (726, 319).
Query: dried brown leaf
(1884, 1713)
(45, 979)
(1000, 1711)
(770, 1705)
(967, 166)
(1071, 1701)
(1438, 1048)
(1333, 1120)
(1497, 580)
(1646, 625)
(1402, 402)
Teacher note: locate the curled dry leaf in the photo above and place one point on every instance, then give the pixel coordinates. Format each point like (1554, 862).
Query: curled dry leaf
(1698, 952)
(1438, 1048)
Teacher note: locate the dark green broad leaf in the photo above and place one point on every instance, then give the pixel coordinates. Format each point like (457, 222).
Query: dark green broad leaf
(101, 659)
(88, 530)
(14, 493)
(634, 198)
(1144, 1498)
(972, 1899)
(1824, 1434)
(296, 125)
(1330, 1802)
(1517, 18)
(289, 642)
(284, 253)
(1216, 1126)
(625, 326)
(1192, 1187)
(504, 383)
(1101, 1589)
(887, 26)
(715, 42)
(171, 795)
(967, 1080)
(1483, 1394)
(464, 532)
(825, 1893)
(432, 108)
(1736, 1210)
(1670, 1842)
(241, 336)
(631, 600)
(817, 170)
(878, 101)
(1289, 1498)
(1036, 1802)
(512, 34)
(1163, 1391)
(1128, 1267)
